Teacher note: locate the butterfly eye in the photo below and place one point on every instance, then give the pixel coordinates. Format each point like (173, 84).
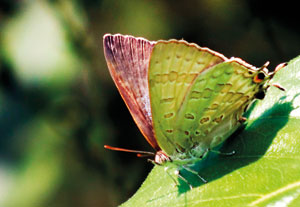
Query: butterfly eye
(258, 78)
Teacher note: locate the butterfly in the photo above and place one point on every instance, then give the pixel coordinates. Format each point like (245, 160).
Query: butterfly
(185, 99)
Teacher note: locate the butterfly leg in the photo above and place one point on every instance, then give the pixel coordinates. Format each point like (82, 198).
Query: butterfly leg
(195, 173)
(223, 153)
(153, 162)
(167, 171)
(177, 172)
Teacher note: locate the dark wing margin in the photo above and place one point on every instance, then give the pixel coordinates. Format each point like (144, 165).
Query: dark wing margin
(128, 59)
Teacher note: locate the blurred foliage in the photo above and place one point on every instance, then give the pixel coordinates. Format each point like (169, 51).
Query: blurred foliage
(59, 105)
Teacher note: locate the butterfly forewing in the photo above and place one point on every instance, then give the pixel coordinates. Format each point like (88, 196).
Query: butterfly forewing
(174, 66)
(128, 59)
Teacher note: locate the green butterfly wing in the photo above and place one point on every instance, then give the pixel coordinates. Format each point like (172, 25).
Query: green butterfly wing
(197, 95)
(174, 66)
(214, 105)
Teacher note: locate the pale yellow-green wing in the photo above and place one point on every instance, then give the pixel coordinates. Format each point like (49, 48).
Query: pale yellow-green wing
(214, 105)
(174, 66)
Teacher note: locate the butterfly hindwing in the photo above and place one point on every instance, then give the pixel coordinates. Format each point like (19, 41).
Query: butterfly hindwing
(174, 66)
(215, 103)
(128, 59)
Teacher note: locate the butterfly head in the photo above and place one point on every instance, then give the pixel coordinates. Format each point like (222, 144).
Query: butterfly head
(263, 77)
(161, 158)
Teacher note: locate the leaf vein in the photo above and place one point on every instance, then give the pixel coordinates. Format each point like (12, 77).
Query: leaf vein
(275, 193)
(228, 198)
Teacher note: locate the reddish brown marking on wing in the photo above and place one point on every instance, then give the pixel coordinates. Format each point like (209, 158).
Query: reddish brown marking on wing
(128, 59)
(256, 79)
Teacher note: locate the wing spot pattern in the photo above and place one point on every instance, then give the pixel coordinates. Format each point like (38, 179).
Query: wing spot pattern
(168, 115)
(170, 131)
(200, 80)
(244, 98)
(232, 97)
(214, 106)
(218, 119)
(218, 87)
(187, 133)
(166, 100)
(180, 148)
(226, 87)
(189, 116)
(197, 132)
(237, 96)
(183, 77)
(196, 95)
(204, 120)
(248, 74)
(228, 97)
(173, 76)
(207, 93)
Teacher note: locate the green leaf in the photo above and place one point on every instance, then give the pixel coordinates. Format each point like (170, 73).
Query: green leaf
(265, 170)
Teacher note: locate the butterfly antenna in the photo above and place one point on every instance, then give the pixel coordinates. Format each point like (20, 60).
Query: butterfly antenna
(278, 67)
(278, 86)
(138, 152)
(264, 65)
(145, 155)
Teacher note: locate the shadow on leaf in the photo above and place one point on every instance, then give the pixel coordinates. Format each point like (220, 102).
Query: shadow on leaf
(249, 142)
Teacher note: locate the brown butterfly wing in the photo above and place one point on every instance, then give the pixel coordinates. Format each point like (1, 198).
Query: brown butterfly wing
(128, 59)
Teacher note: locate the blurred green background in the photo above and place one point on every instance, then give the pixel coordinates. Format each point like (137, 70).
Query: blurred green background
(59, 106)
